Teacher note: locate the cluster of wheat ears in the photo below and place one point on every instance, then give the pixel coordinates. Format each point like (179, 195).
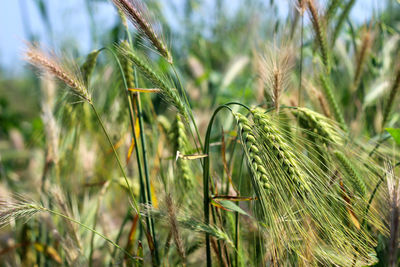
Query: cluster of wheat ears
(297, 189)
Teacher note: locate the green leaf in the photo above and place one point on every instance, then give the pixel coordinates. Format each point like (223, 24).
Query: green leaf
(395, 133)
(230, 206)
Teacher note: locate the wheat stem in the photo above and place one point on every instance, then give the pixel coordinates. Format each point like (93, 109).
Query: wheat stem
(300, 90)
(206, 180)
(146, 192)
(96, 214)
(146, 172)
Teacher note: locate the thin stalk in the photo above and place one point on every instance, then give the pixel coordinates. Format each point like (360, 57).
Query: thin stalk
(237, 221)
(130, 98)
(144, 154)
(92, 237)
(131, 119)
(378, 144)
(146, 171)
(221, 261)
(364, 222)
(135, 205)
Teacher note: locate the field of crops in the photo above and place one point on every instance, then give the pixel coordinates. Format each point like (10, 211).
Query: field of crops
(205, 133)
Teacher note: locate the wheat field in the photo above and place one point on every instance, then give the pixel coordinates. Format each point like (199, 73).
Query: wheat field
(240, 137)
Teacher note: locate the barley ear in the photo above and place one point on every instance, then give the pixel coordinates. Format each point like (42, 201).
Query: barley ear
(252, 150)
(274, 143)
(170, 94)
(390, 100)
(352, 173)
(51, 65)
(274, 69)
(136, 12)
(173, 222)
(179, 140)
(127, 66)
(318, 124)
(320, 34)
(337, 112)
(89, 64)
(362, 58)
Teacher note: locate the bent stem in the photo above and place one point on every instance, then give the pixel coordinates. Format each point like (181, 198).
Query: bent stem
(206, 181)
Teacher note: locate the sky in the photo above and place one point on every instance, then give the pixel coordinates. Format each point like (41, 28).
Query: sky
(70, 22)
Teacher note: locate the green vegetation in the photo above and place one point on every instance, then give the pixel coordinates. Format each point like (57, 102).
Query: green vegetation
(249, 140)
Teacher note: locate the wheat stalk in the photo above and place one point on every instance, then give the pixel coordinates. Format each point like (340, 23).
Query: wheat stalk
(331, 9)
(342, 18)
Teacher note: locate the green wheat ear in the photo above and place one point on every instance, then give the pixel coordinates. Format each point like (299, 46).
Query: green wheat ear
(273, 141)
(127, 66)
(253, 151)
(333, 105)
(318, 124)
(180, 142)
(89, 64)
(170, 94)
(355, 178)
